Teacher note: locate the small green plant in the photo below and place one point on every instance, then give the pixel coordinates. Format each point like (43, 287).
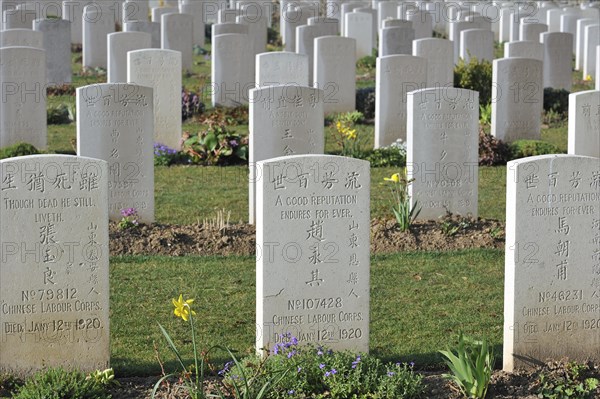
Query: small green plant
(530, 148)
(571, 381)
(475, 75)
(485, 114)
(165, 156)
(60, 114)
(393, 155)
(346, 135)
(403, 212)
(216, 145)
(471, 364)
(452, 224)
(496, 232)
(129, 219)
(556, 100)
(18, 150)
(368, 62)
(57, 383)
(105, 377)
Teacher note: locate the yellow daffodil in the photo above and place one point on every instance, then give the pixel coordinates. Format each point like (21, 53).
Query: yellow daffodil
(338, 125)
(588, 78)
(395, 178)
(183, 308)
(351, 134)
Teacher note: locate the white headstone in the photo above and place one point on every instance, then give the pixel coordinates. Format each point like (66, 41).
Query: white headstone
(422, 23)
(21, 38)
(386, 10)
(442, 153)
(531, 31)
(57, 43)
(115, 123)
(533, 50)
(477, 43)
(335, 72)
(281, 68)
(158, 12)
(54, 264)
(557, 59)
(97, 24)
(135, 10)
(552, 269)
(517, 93)
(293, 19)
(455, 29)
(388, 23)
(305, 42)
(312, 239)
(73, 12)
(348, 7)
(568, 24)
(196, 10)
(584, 123)
(23, 105)
(232, 69)
(119, 44)
(160, 70)
(374, 30)
(598, 67)
(228, 15)
(579, 39)
(396, 40)
(153, 28)
(228, 27)
(506, 14)
(438, 53)
(176, 34)
(284, 120)
(358, 26)
(257, 31)
(396, 75)
(18, 18)
(553, 19)
(590, 42)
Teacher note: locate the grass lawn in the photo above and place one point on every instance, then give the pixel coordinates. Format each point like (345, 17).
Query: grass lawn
(419, 303)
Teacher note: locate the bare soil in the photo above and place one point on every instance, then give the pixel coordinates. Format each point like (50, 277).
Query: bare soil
(239, 239)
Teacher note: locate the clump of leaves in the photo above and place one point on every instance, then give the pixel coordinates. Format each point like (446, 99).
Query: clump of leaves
(452, 224)
(556, 100)
(60, 90)
(569, 380)
(365, 102)
(60, 114)
(129, 219)
(485, 115)
(216, 145)
(530, 148)
(225, 116)
(190, 104)
(475, 75)
(58, 383)
(18, 150)
(492, 151)
(471, 364)
(404, 213)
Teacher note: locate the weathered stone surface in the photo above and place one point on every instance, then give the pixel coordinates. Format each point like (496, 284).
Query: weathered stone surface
(21, 38)
(335, 72)
(232, 69)
(438, 53)
(584, 123)
(57, 43)
(557, 60)
(176, 34)
(119, 44)
(281, 68)
(533, 50)
(153, 28)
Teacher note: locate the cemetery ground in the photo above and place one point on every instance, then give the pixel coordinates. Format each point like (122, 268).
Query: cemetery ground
(427, 285)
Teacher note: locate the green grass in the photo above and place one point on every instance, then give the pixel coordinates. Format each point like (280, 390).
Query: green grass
(419, 303)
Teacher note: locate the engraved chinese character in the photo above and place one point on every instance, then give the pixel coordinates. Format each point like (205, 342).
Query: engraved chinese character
(287, 134)
(315, 279)
(561, 272)
(329, 180)
(596, 224)
(353, 241)
(36, 182)
(453, 102)
(353, 260)
(552, 179)
(531, 181)
(596, 254)
(49, 276)
(595, 183)
(423, 105)
(470, 104)
(8, 182)
(562, 248)
(315, 230)
(114, 153)
(316, 254)
(586, 108)
(115, 136)
(298, 101)
(352, 293)
(278, 182)
(303, 180)
(352, 278)
(563, 227)
(281, 102)
(443, 155)
(287, 150)
(313, 100)
(444, 136)
(89, 181)
(352, 181)
(47, 233)
(353, 226)
(61, 182)
(266, 103)
(575, 179)
(140, 140)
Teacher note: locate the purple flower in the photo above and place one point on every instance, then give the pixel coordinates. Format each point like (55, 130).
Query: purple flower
(330, 372)
(290, 354)
(291, 392)
(299, 369)
(319, 352)
(390, 373)
(225, 368)
(355, 363)
(411, 364)
(127, 212)
(233, 143)
(321, 366)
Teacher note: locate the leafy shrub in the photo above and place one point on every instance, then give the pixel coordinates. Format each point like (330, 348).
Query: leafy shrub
(476, 75)
(61, 384)
(18, 150)
(345, 134)
(530, 148)
(368, 62)
(60, 115)
(571, 380)
(385, 157)
(309, 371)
(492, 151)
(556, 100)
(190, 105)
(485, 115)
(216, 145)
(225, 116)
(365, 102)
(61, 90)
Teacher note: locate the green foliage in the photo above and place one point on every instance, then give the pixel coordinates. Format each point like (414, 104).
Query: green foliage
(60, 114)
(57, 383)
(307, 371)
(216, 145)
(452, 224)
(190, 104)
(471, 364)
(129, 219)
(8, 384)
(530, 148)
(345, 134)
(60, 90)
(476, 75)
(571, 381)
(365, 102)
(18, 150)
(403, 212)
(556, 100)
(367, 63)
(492, 151)
(166, 156)
(485, 114)
(386, 157)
